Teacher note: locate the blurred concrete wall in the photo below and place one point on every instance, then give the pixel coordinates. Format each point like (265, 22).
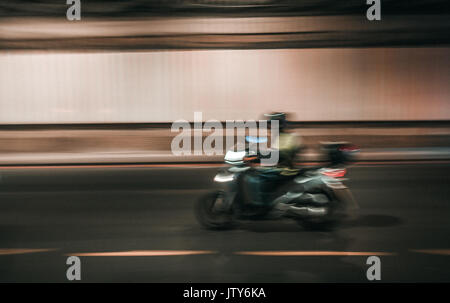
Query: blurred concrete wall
(314, 84)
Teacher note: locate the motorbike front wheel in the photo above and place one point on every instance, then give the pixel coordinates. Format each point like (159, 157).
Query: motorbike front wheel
(208, 216)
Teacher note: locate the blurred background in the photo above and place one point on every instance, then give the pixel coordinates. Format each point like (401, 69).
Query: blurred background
(116, 79)
(86, 109)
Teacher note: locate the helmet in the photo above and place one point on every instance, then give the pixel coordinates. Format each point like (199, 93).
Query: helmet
(281, 117)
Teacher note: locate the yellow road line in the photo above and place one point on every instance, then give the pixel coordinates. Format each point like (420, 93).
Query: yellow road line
(144, 253)
(313, 253)
(19, 251)
(445, 252)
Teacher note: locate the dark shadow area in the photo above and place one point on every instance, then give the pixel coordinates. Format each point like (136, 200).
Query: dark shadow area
(371, 221)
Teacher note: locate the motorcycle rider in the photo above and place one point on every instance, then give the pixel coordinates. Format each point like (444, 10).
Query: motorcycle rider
(287, 143)
(264, 180)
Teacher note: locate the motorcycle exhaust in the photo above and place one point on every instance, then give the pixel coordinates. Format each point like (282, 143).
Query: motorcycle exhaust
(307, 211)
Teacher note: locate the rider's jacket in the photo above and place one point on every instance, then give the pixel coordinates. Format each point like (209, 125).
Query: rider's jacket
(265, 179)
(288, 145)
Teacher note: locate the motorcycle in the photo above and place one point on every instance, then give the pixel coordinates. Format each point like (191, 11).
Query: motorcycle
(315, 197)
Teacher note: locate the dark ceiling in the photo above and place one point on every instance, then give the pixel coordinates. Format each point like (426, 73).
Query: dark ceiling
(135, 8)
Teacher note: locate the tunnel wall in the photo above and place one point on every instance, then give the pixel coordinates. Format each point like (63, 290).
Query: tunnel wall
(373, 84)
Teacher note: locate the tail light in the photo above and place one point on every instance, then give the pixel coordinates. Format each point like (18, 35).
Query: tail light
(335, 173)
(349, 148)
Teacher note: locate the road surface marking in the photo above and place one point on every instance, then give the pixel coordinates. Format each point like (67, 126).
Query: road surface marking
(313, 253)
(19, 251)
(156, 253)
(144, 253)
(445, 252)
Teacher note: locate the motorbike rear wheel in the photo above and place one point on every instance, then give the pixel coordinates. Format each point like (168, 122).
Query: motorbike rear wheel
(208, 217)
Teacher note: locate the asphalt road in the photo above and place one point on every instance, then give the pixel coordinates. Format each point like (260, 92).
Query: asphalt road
(146, 213)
